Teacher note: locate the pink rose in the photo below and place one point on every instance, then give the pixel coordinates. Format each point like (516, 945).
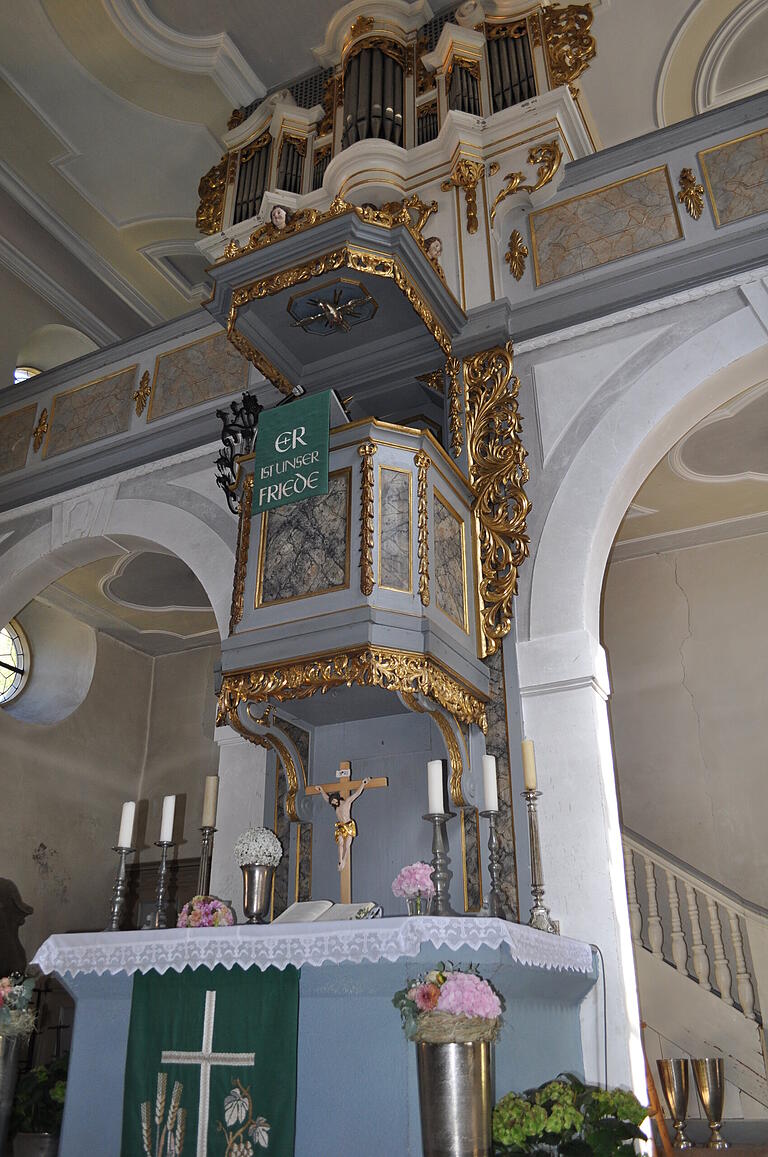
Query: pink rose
(465, 994)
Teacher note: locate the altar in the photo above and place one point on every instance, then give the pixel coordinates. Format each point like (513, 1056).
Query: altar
(356, 1073)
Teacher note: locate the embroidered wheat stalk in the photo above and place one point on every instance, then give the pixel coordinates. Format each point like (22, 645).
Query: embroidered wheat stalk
(146, 1129)
(162, 1082)
(181, 1122)
(175, 1100)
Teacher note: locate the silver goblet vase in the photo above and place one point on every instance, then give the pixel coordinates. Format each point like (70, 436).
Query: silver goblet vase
(674, 1083)
(709, 1075)
(257, 891)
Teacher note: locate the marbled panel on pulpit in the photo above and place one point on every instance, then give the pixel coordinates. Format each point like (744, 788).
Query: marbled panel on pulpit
(91, 412)
(395, 529)
(305, 547)
(470, 847)
(15, 433)
(303, 881)
(736, 174)
(282, 829)
(195, 373)
(450, 585)
(497, 743)
(591, 229)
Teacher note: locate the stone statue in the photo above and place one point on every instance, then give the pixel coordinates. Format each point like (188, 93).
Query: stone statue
(13, 913)
(345, 828)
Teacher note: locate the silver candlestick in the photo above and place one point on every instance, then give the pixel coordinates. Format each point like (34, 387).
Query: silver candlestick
(441, 873)
(160, 918)
(495, 903)
(206, 855)
(540, 917)
(119, 888)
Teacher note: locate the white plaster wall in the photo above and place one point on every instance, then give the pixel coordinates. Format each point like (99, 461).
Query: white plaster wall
(686, 635)
(63, 659)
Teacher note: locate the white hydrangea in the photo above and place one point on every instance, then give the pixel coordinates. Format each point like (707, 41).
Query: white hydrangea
(258, 846)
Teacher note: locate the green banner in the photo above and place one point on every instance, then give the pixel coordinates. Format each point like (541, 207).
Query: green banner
(291, 458)
(211, 1066)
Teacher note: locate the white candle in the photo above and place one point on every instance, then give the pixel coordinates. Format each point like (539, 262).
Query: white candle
(490, 790)
(209, 801)
(529, 765)
(166, 824)
(435, 792)
(126, 825)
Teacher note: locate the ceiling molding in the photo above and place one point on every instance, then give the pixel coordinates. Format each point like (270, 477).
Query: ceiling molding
(669, 55)
(743, 526)
(77, 245)
(51, 291)
(215, 56)
(409, 16)
(105, 587)
(722, 414)
(708, 71)
(158, 252)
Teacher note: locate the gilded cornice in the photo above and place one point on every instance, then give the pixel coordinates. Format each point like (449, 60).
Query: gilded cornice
(568, 42)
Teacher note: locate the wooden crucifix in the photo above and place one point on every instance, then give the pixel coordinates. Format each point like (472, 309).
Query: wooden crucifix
(341, 795)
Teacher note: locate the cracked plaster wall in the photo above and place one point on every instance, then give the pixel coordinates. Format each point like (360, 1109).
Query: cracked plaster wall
(686, 634)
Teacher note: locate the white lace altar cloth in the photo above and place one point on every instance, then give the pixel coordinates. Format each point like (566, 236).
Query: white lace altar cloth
(278, 945)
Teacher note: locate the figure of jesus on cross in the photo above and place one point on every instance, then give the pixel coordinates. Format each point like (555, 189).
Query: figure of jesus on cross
(341, 796)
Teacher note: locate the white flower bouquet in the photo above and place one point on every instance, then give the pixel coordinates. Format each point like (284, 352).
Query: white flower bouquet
(258, 846)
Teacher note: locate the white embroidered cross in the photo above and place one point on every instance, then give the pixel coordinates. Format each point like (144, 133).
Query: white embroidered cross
(205, 1059)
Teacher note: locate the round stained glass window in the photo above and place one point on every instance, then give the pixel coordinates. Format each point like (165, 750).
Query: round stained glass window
(14, 661)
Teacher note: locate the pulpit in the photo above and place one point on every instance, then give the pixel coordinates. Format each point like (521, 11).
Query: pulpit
(356, 1074)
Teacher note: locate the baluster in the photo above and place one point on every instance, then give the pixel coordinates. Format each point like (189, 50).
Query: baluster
(722, 971)
(677, 936)
(635, 915)
(743, 979)
(698, 947)
(655, 933)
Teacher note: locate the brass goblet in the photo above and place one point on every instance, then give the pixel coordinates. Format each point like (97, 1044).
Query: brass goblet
(709, 1075)
(674, 1082)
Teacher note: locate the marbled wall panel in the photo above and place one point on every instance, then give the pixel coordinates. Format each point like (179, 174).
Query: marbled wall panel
(282, 829)
(395, 529)
(15, 434)
(205, 369)
(91, 412)
(449, 562)
(605, 225)
(303, 881)
(306, 548)
(736, 176)
(470, 846)
(497, 743)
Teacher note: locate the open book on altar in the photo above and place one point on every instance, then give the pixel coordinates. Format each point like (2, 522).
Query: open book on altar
(310, 911)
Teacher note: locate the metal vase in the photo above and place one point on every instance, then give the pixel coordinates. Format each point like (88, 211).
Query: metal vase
(257, 891)
(10, 1052)
(456, 1099)
(36, 1145)
(675, 1085)
(419, 905)
(709, 1075)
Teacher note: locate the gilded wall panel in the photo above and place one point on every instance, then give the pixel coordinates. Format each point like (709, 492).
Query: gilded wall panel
(15, 433)
(736, 175)
(395, 571)
(90, 412)
(304, 548)
(618, 220)
(204, 369)
(450, 579)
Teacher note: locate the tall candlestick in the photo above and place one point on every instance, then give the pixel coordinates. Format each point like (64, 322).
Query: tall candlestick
(435, 788)
(166, 824)
(490, 788)
(529, 765)
(126, 825)
(210, 800)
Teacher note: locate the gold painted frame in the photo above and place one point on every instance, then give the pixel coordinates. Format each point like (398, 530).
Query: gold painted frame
(176, 350)
(85, 386)
(703, 153)
(438, 496)
(398, 470)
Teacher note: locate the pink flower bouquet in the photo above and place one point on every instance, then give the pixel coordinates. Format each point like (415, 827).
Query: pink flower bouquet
(414, 880)
(449, 1004)
(205, 912)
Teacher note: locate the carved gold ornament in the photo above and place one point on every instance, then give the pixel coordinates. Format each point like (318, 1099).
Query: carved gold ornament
(236, 117)
(211, 191)
(451, 746)
(40, 430)
(568, 43)
(467, 175)
(547, 157)
(329, 104)
(403, 671)
(366, 452)
(497, 475)
(455, 424)
(691, 194)
(141, 396)
(241, 558)
(361, 25)
(421, 461)
(517, 251)
(433, 381)
(262, 364)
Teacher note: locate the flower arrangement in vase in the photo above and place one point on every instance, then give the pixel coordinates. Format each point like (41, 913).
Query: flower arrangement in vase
(414, 884)
(449, 1004)
(258, 852)
(16, 1017)
(205, 912)
(568, 1118)
(258, 846)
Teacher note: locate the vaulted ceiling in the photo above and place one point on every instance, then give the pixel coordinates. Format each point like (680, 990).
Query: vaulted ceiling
(110, 111)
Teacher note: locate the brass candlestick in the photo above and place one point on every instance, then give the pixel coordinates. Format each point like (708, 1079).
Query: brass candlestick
(441, 873)
(206, 856)
(119, 888)
(709, 1075)
(540, 917)
(674, 1084)
(495, 903)
(160, 919)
